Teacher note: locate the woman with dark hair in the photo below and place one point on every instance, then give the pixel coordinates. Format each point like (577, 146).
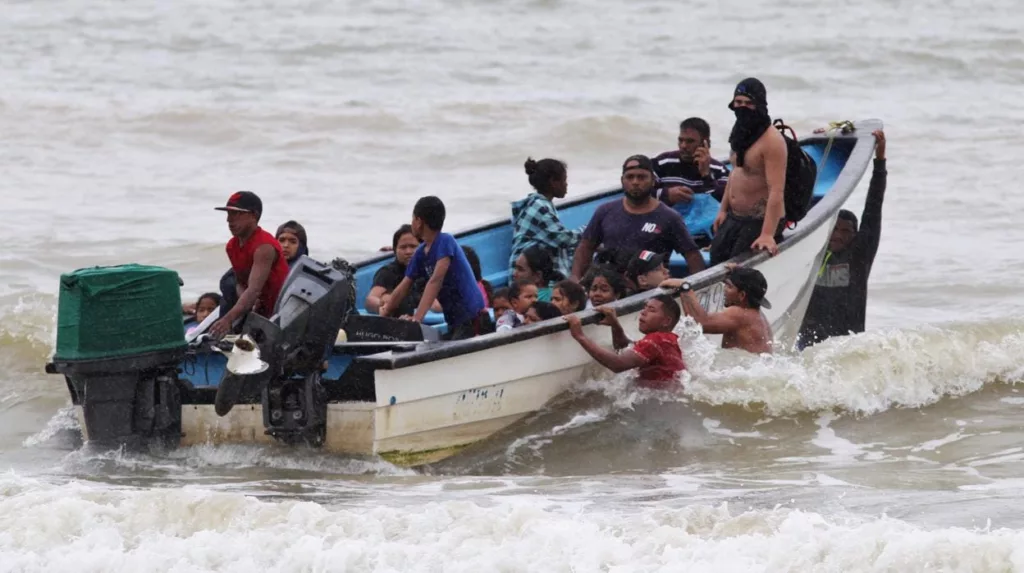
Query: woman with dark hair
(474, 263)
(535, 219)
(569, 297)
(404, 245)
(535, 266)
(292, 237)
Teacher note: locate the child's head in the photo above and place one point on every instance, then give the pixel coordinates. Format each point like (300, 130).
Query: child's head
(500, 302)
(606, 286)
(206, 304)
(540, 311)
(521, 295)
(647, 269)
(569, 297)
(660, 314)
(427, 214)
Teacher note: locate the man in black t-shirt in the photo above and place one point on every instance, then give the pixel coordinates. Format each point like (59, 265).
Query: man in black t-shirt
(636, 222)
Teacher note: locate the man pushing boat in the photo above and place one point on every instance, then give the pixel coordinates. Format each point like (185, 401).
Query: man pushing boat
(656, 357)
(742, 324)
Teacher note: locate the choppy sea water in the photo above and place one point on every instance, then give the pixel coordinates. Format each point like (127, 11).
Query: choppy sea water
(896, 450)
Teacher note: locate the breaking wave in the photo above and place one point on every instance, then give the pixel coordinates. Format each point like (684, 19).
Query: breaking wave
(27, 329)
(85, 527)
(863, 374)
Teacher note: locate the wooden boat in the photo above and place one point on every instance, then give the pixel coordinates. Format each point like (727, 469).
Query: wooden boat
(414, 402)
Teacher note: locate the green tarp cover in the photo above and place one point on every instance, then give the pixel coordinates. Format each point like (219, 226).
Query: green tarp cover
(108, 312)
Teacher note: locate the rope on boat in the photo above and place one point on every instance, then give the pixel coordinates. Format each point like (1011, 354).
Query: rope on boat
(844, 127)
(834, 127)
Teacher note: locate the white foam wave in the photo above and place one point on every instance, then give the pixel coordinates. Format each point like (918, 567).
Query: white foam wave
(865, 374)
(82, 527)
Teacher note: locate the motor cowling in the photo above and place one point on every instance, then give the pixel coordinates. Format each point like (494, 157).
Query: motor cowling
(120, 339)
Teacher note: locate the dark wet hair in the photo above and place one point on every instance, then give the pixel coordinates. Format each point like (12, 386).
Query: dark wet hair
(516, 288)
(402, 231)
(671, 308)
(845, 215)
(431, 210)
(210, 295)
(697, 124)
(500, 293)
(615, 280)
(474, 263)
(542, 173)
(540, 261)
(575, 293)
(546, 310)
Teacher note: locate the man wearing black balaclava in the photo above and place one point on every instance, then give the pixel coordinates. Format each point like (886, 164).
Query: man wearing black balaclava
(753, 209)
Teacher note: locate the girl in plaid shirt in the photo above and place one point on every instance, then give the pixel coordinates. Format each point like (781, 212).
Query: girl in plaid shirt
(535, 220)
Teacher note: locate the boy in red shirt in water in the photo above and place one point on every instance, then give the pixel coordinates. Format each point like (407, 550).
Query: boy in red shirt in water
(656, 357)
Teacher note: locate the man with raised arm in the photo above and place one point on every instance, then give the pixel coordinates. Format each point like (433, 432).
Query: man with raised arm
(839, 302)
(753, 210)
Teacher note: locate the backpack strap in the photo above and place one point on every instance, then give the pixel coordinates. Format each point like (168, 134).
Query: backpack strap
(781, 126)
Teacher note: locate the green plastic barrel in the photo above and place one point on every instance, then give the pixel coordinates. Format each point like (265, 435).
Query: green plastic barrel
(111, 312)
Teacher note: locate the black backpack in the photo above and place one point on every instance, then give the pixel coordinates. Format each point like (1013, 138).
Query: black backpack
(801, 173)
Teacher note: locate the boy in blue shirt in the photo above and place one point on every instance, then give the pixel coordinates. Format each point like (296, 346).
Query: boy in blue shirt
(440, 259)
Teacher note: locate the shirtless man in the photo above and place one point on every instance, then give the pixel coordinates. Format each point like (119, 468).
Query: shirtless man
(741, 324)
(753, 208)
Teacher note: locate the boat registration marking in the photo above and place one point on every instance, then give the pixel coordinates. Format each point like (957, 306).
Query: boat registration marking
(478, 401)
(712, 298)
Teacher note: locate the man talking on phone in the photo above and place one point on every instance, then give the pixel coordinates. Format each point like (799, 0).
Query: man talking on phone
(690, 170)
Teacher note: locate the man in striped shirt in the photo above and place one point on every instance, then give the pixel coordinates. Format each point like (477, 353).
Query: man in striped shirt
(690, 169)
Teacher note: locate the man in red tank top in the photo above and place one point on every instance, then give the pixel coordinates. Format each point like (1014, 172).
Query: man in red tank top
(256, 257)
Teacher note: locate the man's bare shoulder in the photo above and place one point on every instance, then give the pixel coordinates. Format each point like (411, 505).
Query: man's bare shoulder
(736, 313)
(774, 139)
(770, 138)
(750, 316)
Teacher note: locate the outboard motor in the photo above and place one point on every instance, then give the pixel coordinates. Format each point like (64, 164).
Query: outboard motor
(314, 302)
(120, 338)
